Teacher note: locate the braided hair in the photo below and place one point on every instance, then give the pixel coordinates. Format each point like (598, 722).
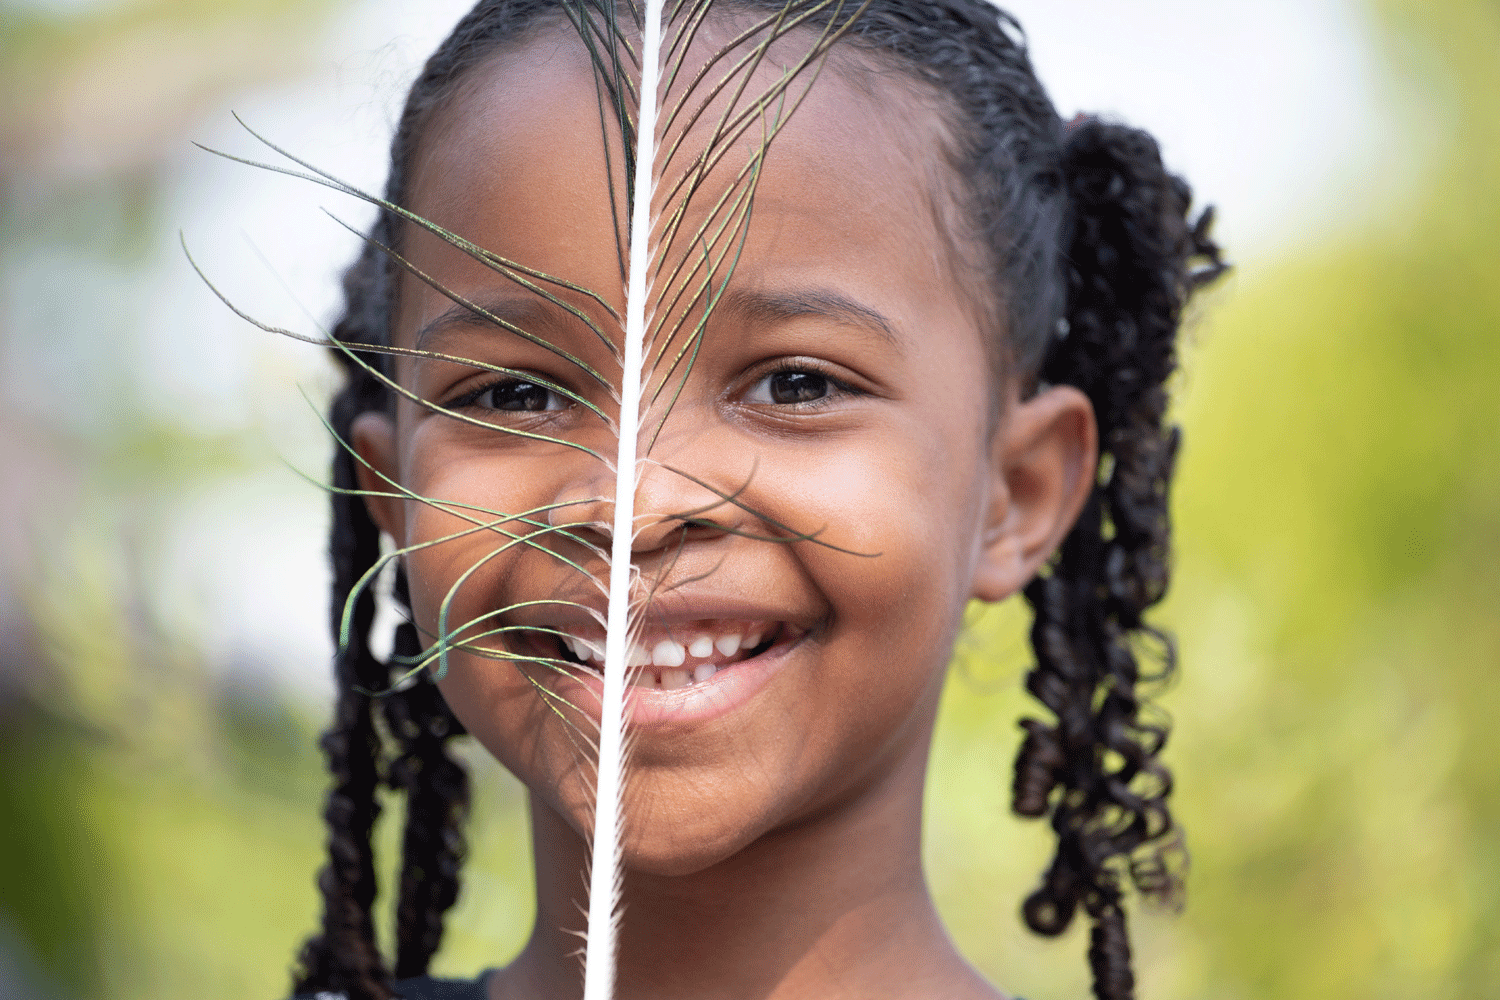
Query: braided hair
(343, 957)
(1090, 256)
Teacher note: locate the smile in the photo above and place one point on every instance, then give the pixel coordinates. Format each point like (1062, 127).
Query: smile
(692, 654)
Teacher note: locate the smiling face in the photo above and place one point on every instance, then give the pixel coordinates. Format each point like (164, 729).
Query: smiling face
(841, 391)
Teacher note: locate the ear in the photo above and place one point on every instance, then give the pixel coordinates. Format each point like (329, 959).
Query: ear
(1043, 463)
(373, 435)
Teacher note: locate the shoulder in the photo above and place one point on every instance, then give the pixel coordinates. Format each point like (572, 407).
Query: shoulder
(424, 988)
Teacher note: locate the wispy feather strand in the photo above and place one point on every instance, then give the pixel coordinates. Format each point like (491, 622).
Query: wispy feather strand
(604, 875)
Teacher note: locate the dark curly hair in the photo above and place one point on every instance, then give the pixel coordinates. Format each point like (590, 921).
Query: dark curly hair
(1092, 256)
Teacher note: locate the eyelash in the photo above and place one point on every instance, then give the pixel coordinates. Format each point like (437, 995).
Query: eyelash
(473, 396)
(836, 386)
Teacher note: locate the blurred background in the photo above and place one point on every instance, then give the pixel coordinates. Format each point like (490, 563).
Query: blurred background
(163, 668)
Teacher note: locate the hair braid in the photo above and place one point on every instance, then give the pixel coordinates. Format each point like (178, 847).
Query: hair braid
(1133, 261)
(344, 956)
(437, 802)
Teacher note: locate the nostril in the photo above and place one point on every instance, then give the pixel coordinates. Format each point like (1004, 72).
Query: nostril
(592, 535)
(702, 528)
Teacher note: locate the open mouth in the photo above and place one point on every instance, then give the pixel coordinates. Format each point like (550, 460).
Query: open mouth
(691, 654)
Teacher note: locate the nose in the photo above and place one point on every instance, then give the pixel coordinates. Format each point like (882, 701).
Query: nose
(675, 506)
(679, 498)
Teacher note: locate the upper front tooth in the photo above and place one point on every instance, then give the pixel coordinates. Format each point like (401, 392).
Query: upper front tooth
(752, 640)
(728, 644)
(701, 647)
(638, 656)
(668, 654)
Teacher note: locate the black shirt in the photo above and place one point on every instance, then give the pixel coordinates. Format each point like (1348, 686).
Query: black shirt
(425, 988)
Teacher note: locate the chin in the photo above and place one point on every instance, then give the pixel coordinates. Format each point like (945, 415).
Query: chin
(675, 857)
(685, 840)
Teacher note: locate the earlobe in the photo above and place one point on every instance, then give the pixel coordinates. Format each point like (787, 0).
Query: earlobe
(1043, 461)
(373, 436)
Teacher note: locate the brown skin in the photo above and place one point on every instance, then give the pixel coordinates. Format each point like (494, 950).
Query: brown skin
(772, 851)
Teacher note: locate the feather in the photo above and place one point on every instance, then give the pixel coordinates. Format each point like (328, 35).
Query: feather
(604, 873)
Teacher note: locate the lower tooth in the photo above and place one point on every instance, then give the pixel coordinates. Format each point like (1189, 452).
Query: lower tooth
(703, 672)
(673, 679)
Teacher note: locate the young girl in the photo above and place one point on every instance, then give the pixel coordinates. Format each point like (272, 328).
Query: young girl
(908, 344)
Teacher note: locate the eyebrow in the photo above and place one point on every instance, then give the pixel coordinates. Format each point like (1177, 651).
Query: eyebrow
(514, 309)
(824, 302)
(767, 306)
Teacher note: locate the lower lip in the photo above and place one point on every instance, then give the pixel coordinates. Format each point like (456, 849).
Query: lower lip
(704, 701)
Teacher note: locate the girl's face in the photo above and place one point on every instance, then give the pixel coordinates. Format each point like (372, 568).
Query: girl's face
(841, 390)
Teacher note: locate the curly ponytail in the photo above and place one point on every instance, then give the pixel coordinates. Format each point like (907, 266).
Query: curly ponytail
(1133, 260)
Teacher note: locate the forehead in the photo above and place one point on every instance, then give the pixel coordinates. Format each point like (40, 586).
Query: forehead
(856, 190)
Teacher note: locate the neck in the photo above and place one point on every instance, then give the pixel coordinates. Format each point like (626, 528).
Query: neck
(833, 906)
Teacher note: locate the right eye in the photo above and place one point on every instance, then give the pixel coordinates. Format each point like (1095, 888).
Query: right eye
(514, 396)
(790, 387)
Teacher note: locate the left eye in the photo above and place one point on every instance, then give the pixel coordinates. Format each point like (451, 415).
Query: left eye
(789, 387)
(516, 396)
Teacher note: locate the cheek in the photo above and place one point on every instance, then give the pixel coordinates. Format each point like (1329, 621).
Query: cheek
(909, 505)
(893, 612)
(461, 554)
(463, 565)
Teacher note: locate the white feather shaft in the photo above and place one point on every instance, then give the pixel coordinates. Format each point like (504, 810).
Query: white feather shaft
(604, 875)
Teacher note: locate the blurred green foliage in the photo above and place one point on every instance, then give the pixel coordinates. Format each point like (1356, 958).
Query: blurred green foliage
(1335, 601)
